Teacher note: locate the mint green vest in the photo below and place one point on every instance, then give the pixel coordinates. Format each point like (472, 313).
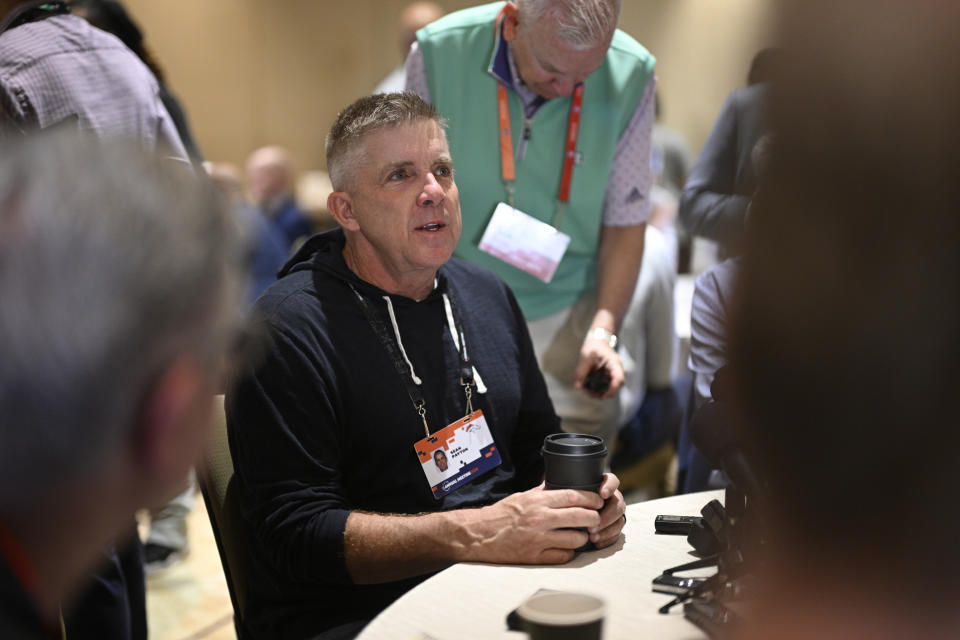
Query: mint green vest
(457, 52)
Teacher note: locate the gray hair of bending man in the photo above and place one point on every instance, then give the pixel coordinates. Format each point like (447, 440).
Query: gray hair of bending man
(580, 23)
(367, 114)
(112, 264)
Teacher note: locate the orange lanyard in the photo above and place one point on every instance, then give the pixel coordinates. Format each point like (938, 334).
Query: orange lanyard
(508, 169)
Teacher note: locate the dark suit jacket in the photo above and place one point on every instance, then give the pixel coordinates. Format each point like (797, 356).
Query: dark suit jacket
(715, 199)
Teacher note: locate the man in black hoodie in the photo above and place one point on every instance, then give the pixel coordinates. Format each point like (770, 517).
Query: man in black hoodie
(377, 342)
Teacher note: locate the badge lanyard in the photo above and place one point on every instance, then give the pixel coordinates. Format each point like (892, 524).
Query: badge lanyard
(507, 167)
(400, 363)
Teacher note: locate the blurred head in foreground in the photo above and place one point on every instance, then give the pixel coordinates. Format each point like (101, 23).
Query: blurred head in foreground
(847, 342)
(119, 281)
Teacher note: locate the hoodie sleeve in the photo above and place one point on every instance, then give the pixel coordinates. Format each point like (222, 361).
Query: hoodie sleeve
(281, 419)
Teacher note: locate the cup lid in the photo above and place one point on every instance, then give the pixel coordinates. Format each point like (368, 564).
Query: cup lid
(562, 608)
(574, 444)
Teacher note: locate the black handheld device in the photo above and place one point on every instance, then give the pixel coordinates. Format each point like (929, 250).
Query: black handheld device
(676, 525)
(675, 585)
(597, 381)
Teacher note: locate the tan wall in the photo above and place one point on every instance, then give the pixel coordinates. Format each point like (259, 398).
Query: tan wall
(255, 72)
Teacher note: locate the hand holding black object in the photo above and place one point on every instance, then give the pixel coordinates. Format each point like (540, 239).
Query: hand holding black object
(597, 381)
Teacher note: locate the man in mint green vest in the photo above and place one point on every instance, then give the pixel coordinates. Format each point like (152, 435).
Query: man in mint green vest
(534, 91)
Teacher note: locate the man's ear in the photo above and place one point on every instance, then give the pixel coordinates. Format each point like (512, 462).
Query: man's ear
(511, 18)
(173, 426)
(340, 206)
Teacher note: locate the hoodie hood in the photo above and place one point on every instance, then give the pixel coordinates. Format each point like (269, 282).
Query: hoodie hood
(324, 248)
(323, 253)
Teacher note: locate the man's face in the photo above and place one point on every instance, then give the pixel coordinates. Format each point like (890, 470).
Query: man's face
(441, 459)
(548, 66)
(404, 201)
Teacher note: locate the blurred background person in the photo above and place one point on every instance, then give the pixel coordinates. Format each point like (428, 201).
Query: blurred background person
(110, 359)
(723, 180)
(670, 161)
(651, 411)
(268, 250)
(270, 177)
(670, 153)
(112, 17)
(414, 17)
(57, 70)
(714, 299)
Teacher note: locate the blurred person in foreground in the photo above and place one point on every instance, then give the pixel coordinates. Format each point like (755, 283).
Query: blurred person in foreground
(270, 179)
(110, 355)
(58, 71)
(415, 16)
(381, 346)
(845, 344)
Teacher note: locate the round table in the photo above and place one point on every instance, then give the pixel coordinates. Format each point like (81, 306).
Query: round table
(471, 600)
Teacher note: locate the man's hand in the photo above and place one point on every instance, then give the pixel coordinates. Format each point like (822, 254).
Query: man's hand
(618, 266)
(611, 516)
(597, 354)
(536, 526)
(533, 527)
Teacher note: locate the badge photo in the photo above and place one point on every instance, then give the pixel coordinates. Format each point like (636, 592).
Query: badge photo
(458, 453)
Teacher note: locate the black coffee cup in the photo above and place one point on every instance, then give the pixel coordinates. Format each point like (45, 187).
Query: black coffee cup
(574, 461)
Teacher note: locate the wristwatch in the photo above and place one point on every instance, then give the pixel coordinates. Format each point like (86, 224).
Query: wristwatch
(602, 334)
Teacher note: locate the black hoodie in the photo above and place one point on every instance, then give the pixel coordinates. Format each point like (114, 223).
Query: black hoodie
(321, 424)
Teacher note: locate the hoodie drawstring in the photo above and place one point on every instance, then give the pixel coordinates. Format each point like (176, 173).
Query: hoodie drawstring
(396, 333)
(451, 325)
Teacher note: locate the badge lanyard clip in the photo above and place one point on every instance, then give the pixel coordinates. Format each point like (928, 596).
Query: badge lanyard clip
(421, 407)
(456, 331)
(468, 391)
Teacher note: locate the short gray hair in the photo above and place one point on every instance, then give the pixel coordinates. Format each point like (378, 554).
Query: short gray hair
(368, 114)
(112, 264)
(580, 23)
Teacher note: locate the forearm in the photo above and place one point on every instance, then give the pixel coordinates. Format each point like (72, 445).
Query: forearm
(533, 527)
(382, 548)
(618, 266)
(714, 215)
